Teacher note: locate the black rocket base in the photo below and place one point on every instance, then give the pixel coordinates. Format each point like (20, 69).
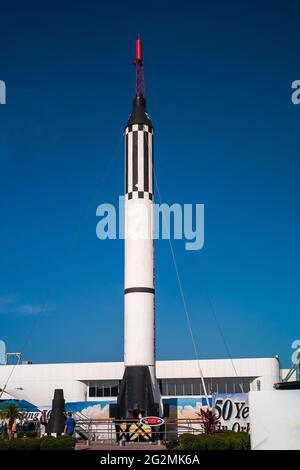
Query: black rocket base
(136, 395)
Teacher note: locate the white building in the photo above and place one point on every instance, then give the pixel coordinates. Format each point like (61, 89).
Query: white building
(99, 381)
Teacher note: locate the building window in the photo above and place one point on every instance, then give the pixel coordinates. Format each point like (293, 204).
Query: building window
(171, 387)
(197, 386)
(177, 387)
(194, 387)
(103, 388)
(187, 387)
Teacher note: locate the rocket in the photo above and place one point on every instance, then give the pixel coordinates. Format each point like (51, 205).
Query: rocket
(139, 392)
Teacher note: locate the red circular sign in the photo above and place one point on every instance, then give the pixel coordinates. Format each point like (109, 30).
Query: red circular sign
(152, 421)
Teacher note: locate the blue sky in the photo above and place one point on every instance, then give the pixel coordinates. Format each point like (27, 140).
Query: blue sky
(218, 79)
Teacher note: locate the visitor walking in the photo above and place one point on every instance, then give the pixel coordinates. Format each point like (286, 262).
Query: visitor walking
(69, 425)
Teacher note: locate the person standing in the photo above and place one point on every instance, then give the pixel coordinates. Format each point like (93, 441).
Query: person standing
(14, 429)
(43, 423)
(69, 425)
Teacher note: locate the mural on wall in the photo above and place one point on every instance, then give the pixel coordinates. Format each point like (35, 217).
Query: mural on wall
(184, 408)
(187, 408)
(90, 409)
(232, 411)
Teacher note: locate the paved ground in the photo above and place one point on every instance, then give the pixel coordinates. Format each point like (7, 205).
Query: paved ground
(129, 448)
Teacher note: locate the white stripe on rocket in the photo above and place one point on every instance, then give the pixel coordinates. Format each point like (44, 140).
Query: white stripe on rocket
(150, 157)
(141, 161)
(130, 189)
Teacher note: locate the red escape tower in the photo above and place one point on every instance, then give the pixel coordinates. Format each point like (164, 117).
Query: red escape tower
(139, 69)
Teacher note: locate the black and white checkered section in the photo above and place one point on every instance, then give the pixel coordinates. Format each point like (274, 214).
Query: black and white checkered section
(139, 162)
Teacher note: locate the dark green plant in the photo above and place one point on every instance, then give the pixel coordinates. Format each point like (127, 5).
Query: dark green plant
(32, 443)
(221, 440)
(58, 443)
(29, 443)
(16, 444)
(238, 440)
(193, 441)
(30, 434)
(3, 445)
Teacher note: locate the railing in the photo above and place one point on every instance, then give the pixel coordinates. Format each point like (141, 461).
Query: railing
(132, 430)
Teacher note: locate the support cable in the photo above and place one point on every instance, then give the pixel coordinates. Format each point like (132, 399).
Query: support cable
(188, 318)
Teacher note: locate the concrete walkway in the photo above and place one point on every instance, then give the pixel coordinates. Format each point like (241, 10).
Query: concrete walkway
(112, 447)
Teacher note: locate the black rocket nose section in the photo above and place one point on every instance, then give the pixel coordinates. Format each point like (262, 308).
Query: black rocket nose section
(138, 113)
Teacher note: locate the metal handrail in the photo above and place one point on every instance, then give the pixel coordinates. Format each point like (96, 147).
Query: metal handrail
(131, 430)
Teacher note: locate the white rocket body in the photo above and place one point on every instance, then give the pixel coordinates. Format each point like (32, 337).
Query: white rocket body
(139, 303)
(139, 344)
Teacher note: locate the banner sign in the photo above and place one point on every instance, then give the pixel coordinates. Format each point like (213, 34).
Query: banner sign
(232, 411)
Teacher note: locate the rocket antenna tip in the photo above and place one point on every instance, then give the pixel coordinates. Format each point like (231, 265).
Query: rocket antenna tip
(139, 80)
